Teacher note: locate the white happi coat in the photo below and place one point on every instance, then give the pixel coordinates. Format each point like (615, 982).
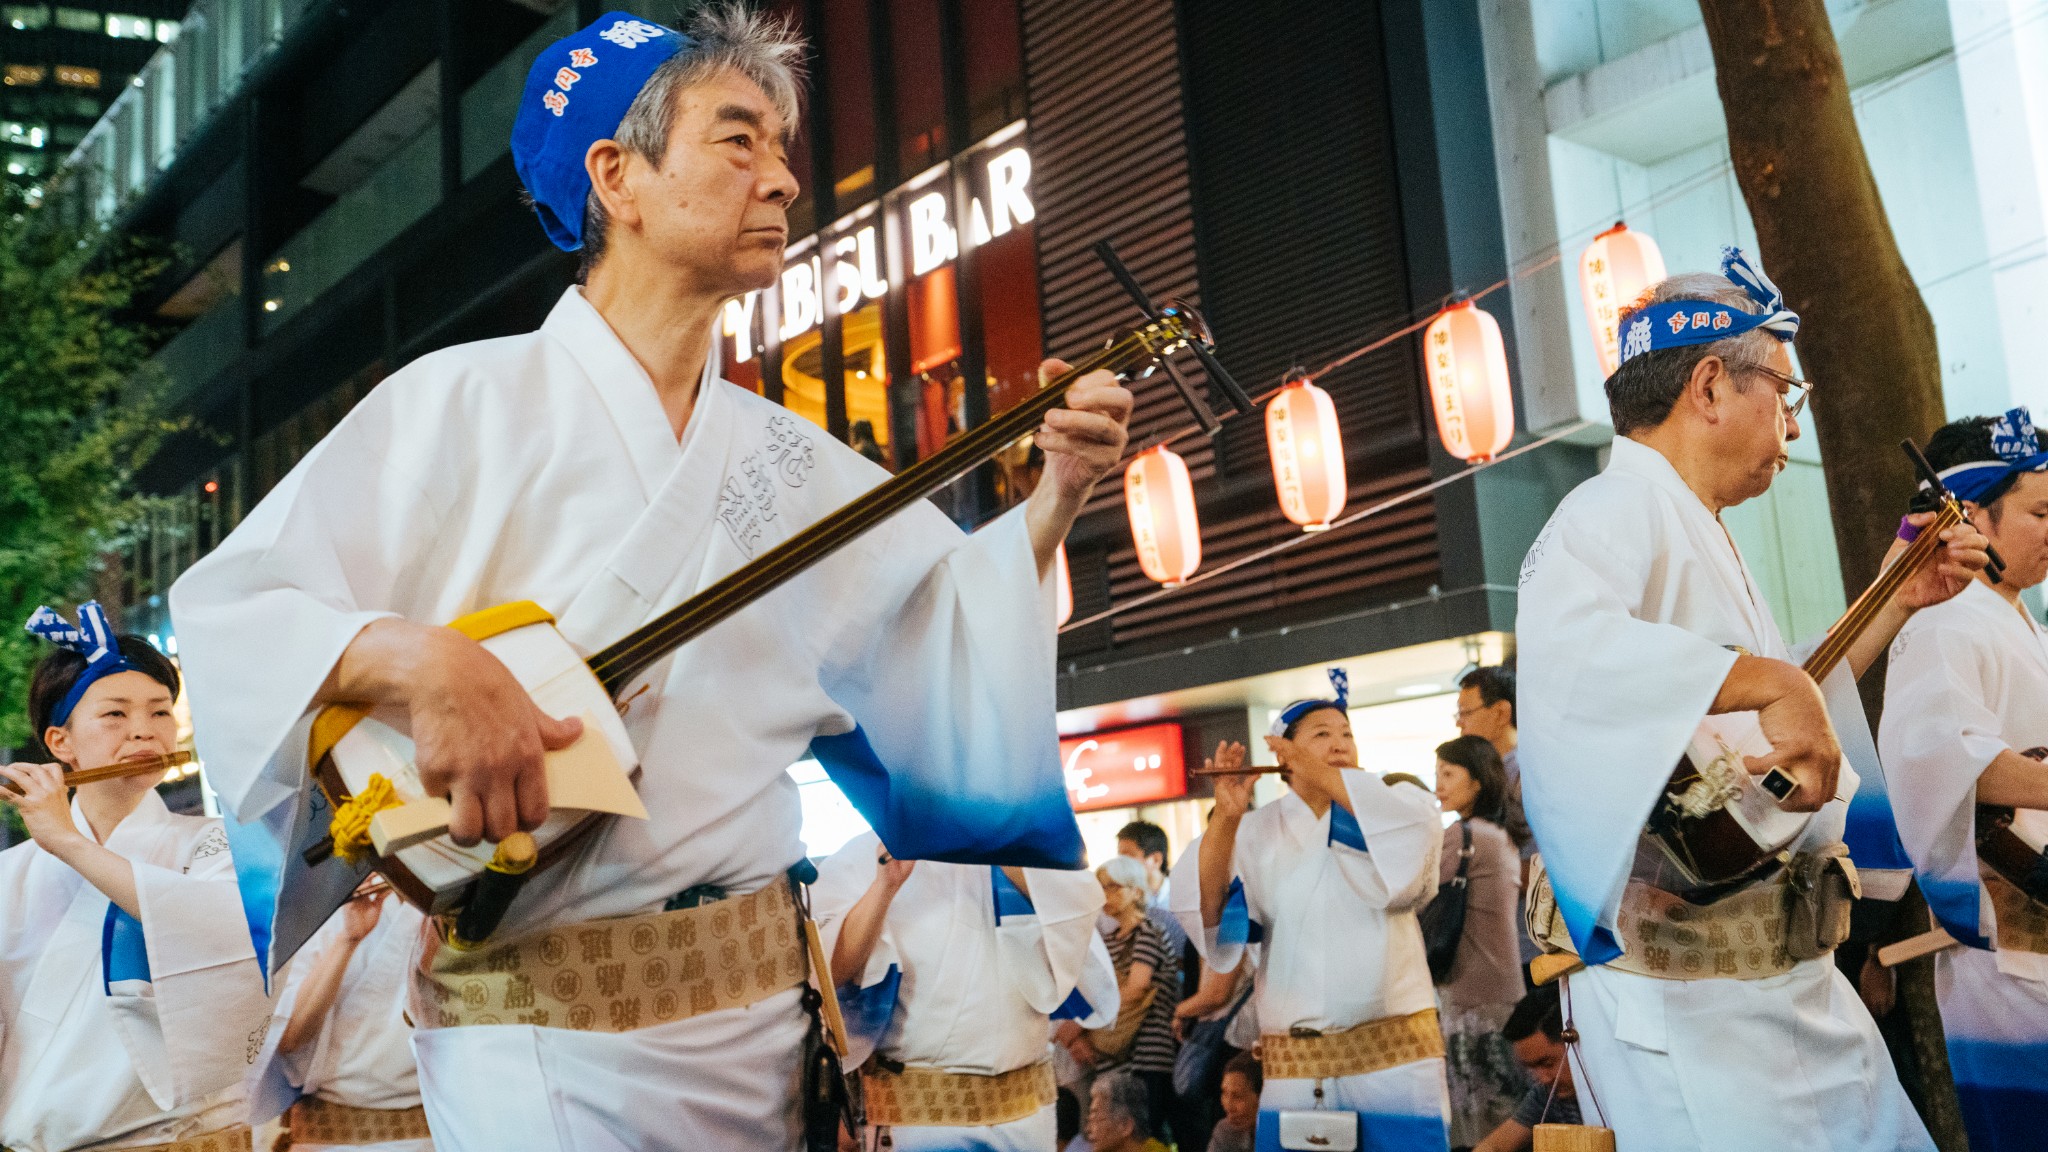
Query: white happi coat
(542, 467)
(95, 1049)
(361, 1056)
(1632, 602)
(1968, 679)
(974, 983)
(1330, 902)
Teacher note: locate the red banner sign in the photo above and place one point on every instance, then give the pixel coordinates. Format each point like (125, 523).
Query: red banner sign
(1119, 769)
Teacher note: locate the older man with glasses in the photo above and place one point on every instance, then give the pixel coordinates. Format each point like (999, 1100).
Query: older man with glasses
(1701, 1024)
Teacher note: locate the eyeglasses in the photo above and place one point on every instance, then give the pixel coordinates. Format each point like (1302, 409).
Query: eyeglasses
(1472, 711)
(1793, 406)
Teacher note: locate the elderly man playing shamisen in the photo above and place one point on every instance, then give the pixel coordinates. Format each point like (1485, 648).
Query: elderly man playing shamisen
(1639, 621)
(600, 468)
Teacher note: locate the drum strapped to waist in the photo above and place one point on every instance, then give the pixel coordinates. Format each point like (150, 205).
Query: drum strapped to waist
(1374, 1046)
(620, 974)
(913, 1096)
(316, 1121)
(1765, 930)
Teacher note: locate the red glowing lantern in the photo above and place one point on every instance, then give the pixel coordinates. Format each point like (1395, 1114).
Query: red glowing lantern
(1468, 382)
(1063, 587)
(1307, 449)
(1161, 501)
(1617, 266)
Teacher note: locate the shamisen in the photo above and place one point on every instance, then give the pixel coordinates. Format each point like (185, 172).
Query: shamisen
(1721, 1024)
(600, 472)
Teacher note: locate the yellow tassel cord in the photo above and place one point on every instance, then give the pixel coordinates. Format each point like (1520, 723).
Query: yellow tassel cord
(350, 828)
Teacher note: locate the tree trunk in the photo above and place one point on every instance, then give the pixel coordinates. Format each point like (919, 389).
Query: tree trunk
(1867, 340)
(1866, 337)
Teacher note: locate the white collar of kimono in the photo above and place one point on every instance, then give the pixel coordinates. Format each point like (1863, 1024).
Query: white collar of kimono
(1295, 812)
(1988, 601)
(626, 389)
(1640, 459)
(151, 810)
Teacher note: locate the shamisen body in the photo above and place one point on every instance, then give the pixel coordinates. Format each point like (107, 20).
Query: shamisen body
(1966, 724)
(1723, 1026)
(644, 992)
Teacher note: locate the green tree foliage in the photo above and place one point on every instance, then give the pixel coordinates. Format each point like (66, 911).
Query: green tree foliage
(83, 410)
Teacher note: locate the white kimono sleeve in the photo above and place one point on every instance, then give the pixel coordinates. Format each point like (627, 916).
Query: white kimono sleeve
(1616, 702)
(263, 618)
(953, 755)
(1050, 951)
(868, 1005)
(193, 1018)
(1242, 924)
(1386, 848)
(1937, 736)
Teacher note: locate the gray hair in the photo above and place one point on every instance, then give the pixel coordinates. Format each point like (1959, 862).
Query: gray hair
(1642, 392)
(764, 48)
(1124, 1095)
(1125, 872)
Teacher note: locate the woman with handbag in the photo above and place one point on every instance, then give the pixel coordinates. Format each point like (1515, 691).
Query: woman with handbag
(1141, 1041)
(1473, 938)
(1326, 881)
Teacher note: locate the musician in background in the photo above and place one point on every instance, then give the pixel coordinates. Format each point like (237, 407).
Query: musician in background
(600, 468)
(1329, 876)
(129, 992)
(949, 975)
(1638, 619)
(340, 1041)
(1965, 720)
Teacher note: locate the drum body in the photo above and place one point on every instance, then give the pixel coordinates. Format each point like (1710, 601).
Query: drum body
(1719, 830)
(350, 744)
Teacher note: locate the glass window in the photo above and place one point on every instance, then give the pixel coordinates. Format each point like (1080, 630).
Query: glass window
(24, 135)
(849, 102)
(79, 20)
(23, 75)
(995, 64)
(739, 349)
(124, 27)
(23, 17)
(920, 85)
(867, 383)
(78, 76)
(803, 217)
(935, 358)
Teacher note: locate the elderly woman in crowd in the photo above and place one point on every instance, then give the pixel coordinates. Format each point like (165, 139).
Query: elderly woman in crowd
(1148, 975)
(1485, 980)
(1118, 1116)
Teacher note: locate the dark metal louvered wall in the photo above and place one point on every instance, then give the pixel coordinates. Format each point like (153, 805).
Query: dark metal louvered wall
(1240, 155)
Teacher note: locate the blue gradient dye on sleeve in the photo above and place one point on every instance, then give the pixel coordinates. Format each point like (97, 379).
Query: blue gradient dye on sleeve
(124, 954)
(1344, 828)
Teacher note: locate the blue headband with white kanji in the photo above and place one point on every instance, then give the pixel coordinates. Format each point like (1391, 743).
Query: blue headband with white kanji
(2018, 449)
(1340, 685)
(577, 93)
(93, 639)
(1678, 323)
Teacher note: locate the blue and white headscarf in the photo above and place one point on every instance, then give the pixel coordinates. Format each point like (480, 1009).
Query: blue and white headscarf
(1340, 686)
(576, 94)
(1678, 323)
(93, 638)
(2019, 450)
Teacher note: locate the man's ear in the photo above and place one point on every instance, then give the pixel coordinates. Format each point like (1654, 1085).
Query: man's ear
(1704, 388)
(607, 163)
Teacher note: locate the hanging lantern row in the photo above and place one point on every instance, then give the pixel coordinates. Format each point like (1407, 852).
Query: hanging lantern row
(1469, 390)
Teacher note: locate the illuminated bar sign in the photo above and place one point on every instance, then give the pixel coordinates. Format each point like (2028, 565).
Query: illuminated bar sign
(1118, 769)
(857, 258)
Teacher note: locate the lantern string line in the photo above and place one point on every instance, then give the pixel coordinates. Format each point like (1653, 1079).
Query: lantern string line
(1337, 525)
